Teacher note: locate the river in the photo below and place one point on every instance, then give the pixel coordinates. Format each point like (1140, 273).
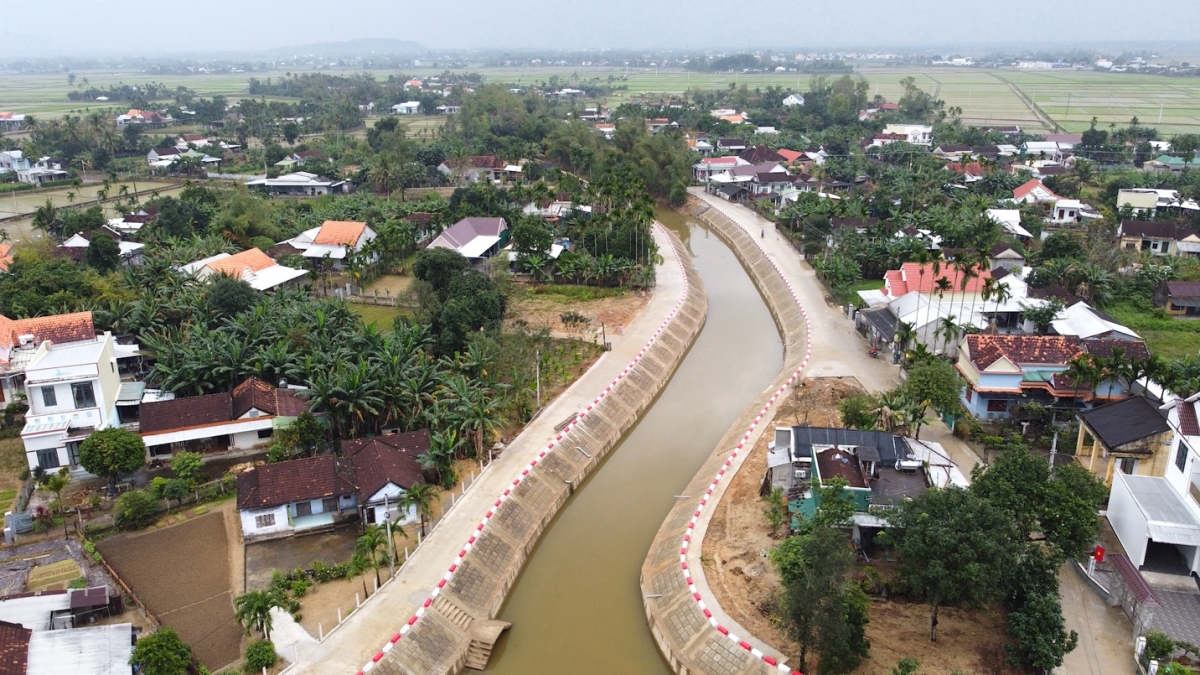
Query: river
(577, 600)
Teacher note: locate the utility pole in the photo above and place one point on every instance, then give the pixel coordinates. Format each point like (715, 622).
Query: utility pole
(537, 369)
(387, 518)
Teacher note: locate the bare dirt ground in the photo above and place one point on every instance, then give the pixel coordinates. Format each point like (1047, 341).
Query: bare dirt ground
(389, 285)
(738, 537)
(746, 585)
(321, 603)
(182, 573)
(545, 311)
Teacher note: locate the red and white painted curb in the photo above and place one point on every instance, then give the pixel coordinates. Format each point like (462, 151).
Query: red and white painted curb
(716, 481)
(412, 620)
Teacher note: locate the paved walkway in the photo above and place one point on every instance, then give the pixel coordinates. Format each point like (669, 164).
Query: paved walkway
(368, 628)
(1105, 633)
(1179, 615)
(837, 348)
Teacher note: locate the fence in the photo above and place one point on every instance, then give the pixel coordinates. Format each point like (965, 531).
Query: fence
(126, 589)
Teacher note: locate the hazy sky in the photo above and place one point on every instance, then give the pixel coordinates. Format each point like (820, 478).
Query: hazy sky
(95, 26)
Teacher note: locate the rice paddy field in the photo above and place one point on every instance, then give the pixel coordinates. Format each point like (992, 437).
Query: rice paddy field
(1038, 100)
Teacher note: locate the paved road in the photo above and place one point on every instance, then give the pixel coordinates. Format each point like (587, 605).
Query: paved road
(837, 349)
(368, 628)
(1105, 633)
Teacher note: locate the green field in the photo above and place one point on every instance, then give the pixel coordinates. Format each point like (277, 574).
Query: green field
(1069, 98)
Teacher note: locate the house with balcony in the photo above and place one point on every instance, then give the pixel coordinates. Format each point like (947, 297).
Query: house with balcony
(1129, 436)
(367, 482)
(72, 390)
(1157, 517)
(21, 338)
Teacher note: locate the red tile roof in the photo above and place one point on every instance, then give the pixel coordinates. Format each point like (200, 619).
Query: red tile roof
(1134, 349)
(14, 648)
(58, 329)
(388, 459)
(266, 398)
(236, 264)
(984, 350)
(1188, 423)
(909, 278)
(339, 233)
(789, 155)
(973, 168)
(292, 481)
(1030, 186)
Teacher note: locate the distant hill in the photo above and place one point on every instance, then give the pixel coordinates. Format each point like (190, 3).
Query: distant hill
(350, 48)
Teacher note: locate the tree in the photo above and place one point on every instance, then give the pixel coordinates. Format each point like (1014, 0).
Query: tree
(291, 131)
(103, 253)
(162, 652)
(531, 237)
(775, 509)
(438, 267)
(188, 465)
(135, 509)
(112, 452)
(229, 297)
(421, 496)
(372, 546)
(56, 482)
(1043, 315)
(472, 303)
(857, 411)
(935, 383)
(953, 547)
(253, 610)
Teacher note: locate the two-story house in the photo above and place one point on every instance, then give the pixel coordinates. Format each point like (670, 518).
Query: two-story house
(1157, 518)
(21, 338)
(72, 390)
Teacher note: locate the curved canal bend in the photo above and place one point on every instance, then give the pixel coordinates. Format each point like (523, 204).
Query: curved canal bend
(577, 601)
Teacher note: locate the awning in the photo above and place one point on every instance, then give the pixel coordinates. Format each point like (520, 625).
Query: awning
(131, 393)
(1168, 519)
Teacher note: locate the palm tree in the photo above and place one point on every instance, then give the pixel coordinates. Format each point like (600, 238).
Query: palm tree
(372, 546)
(358, 566)
(45, 216)
(1082, 370)
(254, 610)
(422, 496)
(948, 329)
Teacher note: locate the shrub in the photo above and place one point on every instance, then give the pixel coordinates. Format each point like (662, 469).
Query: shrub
(321, 572)
(78, 582)
(299, 588)
(1159, 646)
(135, 510)
(259, 655)
(161, 653)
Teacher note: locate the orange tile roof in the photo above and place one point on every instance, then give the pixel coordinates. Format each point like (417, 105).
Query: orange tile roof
(339, 233)
(1057, 350)
(909, 278)
(789, 155)
(234, 265)
(6, 256)
(57, 329)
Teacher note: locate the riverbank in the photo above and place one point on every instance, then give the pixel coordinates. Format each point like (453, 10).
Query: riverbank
(424, 619)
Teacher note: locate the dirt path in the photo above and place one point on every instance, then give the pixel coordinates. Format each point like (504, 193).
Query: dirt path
(1033, 107)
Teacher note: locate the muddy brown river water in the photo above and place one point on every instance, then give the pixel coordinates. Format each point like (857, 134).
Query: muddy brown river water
(576, 607)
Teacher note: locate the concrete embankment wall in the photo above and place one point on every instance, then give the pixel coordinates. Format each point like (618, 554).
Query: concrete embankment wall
(693, 634)
(438, 639)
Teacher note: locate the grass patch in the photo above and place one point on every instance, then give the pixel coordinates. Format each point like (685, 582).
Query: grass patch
(1171, 339)
(12, 464)
(849, 295)
(574, 293)
(381, 315)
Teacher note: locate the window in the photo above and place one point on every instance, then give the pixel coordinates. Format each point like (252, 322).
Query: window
(997, 405)
(303, 508)
(1128, 465)
(267, 520)
(48, 459)
(265, 433)
(73, 453)
(1181, 456)
(329, 504)
(49, 399)
(85, 396)
(970, 394)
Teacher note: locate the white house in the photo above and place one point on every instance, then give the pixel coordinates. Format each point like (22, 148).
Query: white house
(369, 480)
(1034, 192)
(1066, 211)
(1152, 515)
(42, 171)
(407, 108)
(13, 160)
(917, 134)
(55, 632)
(251, 266)
(299, 183)
(1010, 220)
(77, 244)
(474, 238)
(475, 168)
(335, 239)
(71, 390)
(240, 419)
(21, 338)
(793, 100)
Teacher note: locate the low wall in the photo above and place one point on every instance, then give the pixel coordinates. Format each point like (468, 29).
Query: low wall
(689, 627)
(436, 640)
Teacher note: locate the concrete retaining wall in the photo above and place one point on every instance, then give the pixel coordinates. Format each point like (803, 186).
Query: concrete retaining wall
(689, 627)
(435, 640)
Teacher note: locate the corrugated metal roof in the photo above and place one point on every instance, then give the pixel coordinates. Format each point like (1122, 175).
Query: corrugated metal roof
(95, 650)
(1168, 519)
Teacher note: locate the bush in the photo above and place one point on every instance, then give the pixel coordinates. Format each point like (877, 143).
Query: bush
(321, 572)
(1159, 646)
(161, 653)
(135, 509)
(259, 655)
(78, 582)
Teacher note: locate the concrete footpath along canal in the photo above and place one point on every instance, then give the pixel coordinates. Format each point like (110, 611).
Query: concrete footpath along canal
(435, 614)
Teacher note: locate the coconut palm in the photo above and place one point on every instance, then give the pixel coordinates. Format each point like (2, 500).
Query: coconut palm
(422, 496)
(253, 610)
(372, 546)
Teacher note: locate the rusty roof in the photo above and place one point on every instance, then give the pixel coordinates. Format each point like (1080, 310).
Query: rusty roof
(292, 481)
(14, 648)
(266, 398)
(182, 413)
(58, 328)
(339, 233)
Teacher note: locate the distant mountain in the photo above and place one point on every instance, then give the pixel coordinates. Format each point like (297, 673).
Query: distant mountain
(350, 48)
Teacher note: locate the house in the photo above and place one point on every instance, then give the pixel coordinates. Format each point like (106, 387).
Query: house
(302, 157)
(1140, 201)
(705, 168)
(1160, 238)
(793, 100)
(71, 388)
(1034, 192)
(608, 130)
(191, 141)
(734, 145)
(476, 168)
(158, 155)
(51, 631)
(76, 245)
(299, 184)
(759, 154)
(1010, 221)
(337, 240)
(921, 278)
(1066, 211)
(952, 152)
(42, 171)
(733, 193)
(1131, 436)
(1086, 322)
(10, 122)
(880, 470)
(240, 419)
(916, 134)
(130, 223)
(1179, 298)
(13, 160)
(1157, 518)
(20, 339)
(970, 171)
(251, 266)
(657, 124)
(770, 182)
(368, 481)
(1003, 371)
(474, 238)
(150, 118)
(449, 109)
(407, 108)
(1165, 163)
(1004, 256)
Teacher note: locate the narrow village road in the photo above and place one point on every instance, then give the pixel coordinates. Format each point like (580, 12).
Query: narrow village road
(1105, 634)
(837, 349)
